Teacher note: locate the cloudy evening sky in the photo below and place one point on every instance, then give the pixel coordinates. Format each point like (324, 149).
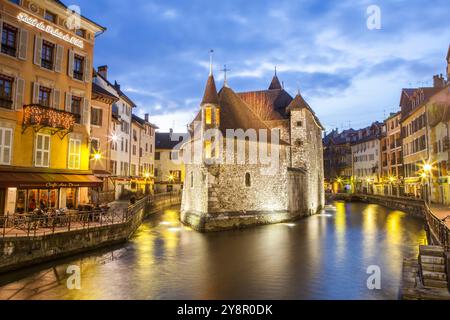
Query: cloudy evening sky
(158, 52)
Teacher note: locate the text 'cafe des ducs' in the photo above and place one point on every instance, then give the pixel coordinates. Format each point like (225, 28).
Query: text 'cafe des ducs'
(45, 82)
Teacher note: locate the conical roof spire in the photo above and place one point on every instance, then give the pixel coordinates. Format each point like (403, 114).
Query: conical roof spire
(275, 84)
(210, 96)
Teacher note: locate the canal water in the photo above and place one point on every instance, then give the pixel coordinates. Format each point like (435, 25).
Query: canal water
(321, 257)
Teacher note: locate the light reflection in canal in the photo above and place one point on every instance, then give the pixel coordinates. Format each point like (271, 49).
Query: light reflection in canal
(322, 257)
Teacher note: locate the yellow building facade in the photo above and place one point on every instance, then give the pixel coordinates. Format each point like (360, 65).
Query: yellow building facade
(46, 59)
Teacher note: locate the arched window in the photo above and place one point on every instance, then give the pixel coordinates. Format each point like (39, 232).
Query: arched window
(248, 181)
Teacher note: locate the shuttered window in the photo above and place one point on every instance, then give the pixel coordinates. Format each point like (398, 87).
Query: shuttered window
(42, 154)
(74, 154)
(6, 135)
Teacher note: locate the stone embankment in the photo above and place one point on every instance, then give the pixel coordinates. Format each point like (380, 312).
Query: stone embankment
(23, 251)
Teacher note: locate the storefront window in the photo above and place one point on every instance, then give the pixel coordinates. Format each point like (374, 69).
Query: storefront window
(21, 201)
(32, 200)
(71, 198)
(53, 199)
(43, 199)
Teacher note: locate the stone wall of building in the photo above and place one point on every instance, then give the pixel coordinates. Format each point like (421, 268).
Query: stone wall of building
(307, 154)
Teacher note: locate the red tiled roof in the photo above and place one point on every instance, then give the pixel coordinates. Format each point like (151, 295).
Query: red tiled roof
(267, 104)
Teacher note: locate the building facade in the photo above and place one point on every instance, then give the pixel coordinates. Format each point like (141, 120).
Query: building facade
(366, 154)
(121, 132)
(392, 156)
(169, 162)
(142, 154)
(338, 160)
(438, 115)
(45, 95)
(416, 146)
(101, 114)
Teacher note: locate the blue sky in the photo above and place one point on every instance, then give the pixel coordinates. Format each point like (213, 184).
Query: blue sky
(350, 75)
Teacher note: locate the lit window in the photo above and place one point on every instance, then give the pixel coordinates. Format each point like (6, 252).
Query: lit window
(217, 116)
(208, 150)
(208, 115)
(74, 154)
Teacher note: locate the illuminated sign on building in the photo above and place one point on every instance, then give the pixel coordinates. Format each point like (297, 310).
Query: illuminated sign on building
(49, 29)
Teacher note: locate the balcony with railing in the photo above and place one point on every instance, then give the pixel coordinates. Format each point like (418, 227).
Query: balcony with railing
(40, 117)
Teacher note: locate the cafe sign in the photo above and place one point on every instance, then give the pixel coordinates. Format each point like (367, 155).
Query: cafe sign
(50, 29)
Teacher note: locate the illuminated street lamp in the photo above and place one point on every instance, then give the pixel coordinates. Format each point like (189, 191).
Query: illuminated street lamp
(97, 156)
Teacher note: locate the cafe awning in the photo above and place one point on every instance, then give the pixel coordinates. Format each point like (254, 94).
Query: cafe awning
(28, 180)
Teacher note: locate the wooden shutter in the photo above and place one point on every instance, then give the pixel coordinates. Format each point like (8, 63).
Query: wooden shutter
(56, 98)
(37, 50)
(35, 92)
(68, 102)
(86, 111)
(87, 69)
(59, 58)
(70, 64)
(23, 44)
(20, 91)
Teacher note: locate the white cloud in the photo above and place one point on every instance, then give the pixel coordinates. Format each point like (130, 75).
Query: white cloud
(177, 120)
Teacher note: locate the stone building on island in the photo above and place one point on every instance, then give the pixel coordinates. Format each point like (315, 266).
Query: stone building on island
(252, 158)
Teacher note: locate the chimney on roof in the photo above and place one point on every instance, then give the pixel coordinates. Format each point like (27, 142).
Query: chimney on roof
(103, 71)
(116, 85)
(438, 81)
(146, 117)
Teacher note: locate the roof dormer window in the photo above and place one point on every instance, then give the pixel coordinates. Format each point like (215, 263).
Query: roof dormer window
(50, 16)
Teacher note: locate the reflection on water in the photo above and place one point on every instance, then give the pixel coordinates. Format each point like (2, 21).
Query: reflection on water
(322, 257)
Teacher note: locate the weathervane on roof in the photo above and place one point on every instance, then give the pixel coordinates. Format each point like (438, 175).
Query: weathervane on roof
(225, 70)
(211, 53)
(275, 70)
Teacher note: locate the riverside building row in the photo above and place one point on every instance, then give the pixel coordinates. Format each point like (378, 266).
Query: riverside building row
(68, 136)
(406, 155)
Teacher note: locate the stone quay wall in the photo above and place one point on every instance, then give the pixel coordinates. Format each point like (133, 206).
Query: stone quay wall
(411, 206)
(19, 252)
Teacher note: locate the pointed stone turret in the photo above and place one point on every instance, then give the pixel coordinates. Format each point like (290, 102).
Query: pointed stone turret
(275, 84)
(210, 96)
(298, 103)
